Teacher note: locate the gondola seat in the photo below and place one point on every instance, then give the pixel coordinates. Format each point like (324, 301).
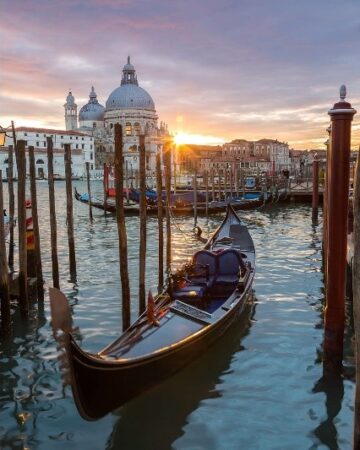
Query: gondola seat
(206, 261)
(229, 263)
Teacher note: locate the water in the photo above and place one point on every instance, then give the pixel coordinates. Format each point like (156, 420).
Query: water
(260, 387)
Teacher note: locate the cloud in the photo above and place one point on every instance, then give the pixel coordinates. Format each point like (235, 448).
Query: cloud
(238, 68)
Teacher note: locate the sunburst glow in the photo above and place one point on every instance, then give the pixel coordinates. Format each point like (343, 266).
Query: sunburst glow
(199, 139)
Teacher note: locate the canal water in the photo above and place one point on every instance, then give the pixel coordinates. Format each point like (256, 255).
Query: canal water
(260, 387)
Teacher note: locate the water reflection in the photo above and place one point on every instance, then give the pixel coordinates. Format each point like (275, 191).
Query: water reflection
(332, 385)
(156, 419)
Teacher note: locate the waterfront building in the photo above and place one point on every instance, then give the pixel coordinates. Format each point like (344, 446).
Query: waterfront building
(82, 150)
(263, 156)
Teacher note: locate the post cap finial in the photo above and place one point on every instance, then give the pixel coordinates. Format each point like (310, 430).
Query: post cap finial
(342, 92)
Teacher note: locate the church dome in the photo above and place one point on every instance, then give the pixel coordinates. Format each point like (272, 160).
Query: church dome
(92, 110)
(129, 95)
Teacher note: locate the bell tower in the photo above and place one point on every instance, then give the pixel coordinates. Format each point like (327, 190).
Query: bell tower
(70, 112)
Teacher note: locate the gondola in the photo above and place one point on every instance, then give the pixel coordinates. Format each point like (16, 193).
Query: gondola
(215, 207)
(203, 298)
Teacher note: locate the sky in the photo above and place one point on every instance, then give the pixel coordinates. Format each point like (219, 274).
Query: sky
(216, 70)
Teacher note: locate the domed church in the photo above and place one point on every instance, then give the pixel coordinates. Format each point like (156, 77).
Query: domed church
(130, 106)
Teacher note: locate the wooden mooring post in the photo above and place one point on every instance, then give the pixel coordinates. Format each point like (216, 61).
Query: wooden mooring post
(120, 218)
(315, 192)
(338, 197)
(10, 177)
(89, 189)
(206, 176)
(105, 185)
(325, 201)
(195, 196)
(4, 271)
(69, 212)
(167, 158)
(52, 209)
(212, 184)
(160, 221)
(37, 246)
(142, 224)
(23, 288)
(356, 301)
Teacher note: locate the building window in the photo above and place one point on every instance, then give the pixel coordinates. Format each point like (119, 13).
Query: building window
(39, 161)
(62, 145)
(37, 143)
(82, 146)
(90, 147)
(77, 145)
(61, 137)
(37, 135)
(25, 134)
(76, 137)
(92, 166)
(44, 144)
(70, 137)
(82, 139)
(128, 129)
(137, 128)
(91, 155)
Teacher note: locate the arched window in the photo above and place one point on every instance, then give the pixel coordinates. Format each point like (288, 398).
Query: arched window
(39, 161)
(128, 129)
(111, 126)
(137, 128)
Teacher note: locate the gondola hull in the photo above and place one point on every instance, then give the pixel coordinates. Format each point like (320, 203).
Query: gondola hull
(101, 387)
(185, 322)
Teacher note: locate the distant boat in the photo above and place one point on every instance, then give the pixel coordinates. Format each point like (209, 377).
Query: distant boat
(204, 298)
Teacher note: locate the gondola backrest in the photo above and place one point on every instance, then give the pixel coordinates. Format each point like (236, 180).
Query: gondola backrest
(206, 258)
(229, 262)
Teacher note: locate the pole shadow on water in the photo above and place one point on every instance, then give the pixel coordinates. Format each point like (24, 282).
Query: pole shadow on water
(331, 383)
(157, 418)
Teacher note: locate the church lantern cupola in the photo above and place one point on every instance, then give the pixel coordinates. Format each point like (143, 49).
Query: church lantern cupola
(129, 75)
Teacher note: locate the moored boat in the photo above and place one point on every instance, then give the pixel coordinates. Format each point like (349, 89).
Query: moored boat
(203, 298)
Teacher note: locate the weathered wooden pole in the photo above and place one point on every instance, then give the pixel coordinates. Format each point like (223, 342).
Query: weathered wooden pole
(120, 217)
(10, 177)
(127, 182)
(219, 185)
(338, 198)
(315, 192)
(142, 216)
(231, 182)
(4, 271)
(89, 189)
(69, 212)
(21, 166)
(236, 181)
(37, 246)
(206, 175)
(53, 226)
(174, 165)
(195, 197)
(106, 186)
(356, 301)
(213, 184)
(325, 200)
(167, 157)
(226, 184)
(160, 220)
